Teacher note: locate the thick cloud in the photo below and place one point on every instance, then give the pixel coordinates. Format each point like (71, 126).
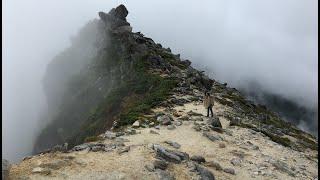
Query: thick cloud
(271, 42)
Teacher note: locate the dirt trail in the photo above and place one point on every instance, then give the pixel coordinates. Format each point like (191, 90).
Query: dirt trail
(255, 163)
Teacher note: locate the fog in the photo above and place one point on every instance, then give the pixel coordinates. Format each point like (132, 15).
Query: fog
(273, 43)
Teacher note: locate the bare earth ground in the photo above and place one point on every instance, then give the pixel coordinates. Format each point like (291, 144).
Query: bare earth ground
(131, 164)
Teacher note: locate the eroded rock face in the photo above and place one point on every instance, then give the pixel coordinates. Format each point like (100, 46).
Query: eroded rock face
(116, 18)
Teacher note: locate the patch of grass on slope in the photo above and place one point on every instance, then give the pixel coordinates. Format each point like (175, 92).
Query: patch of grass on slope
(146, 91)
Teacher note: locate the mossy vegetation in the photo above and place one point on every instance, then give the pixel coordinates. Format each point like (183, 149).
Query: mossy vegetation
(128, 102)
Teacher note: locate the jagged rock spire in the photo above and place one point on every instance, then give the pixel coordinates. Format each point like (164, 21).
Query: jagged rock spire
(116, 19)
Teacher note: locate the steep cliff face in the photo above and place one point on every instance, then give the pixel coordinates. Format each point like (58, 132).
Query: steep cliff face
(110, 77)
(87, 84)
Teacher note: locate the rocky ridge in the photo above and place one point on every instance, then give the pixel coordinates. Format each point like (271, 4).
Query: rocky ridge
(173, 139)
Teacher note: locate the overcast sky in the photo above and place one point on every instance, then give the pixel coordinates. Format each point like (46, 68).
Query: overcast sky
(273, 42)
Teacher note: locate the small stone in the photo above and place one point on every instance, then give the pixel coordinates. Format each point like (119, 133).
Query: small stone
(215, 165)
(150, 167)
(205, 174)
(151, 124)
(192, 167)
(123, 150)
(164, 175)
(178, 123)
(229, 170)
(153, 131)
(222, 145)
(197, 128)
(109, 135)
(136, 124)
(96, 148)
(40, 170)
(164, 120)
(228, 132)
(213, 137)
(198, 159)
(159, 164)
(171, 127)
(157, 127)
(173, 144)
(236, 161)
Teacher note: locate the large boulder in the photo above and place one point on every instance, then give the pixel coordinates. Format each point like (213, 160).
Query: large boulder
(116, 18)
(215, 122)
(120, 12)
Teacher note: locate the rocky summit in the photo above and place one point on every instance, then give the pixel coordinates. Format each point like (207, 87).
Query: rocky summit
(122, 106)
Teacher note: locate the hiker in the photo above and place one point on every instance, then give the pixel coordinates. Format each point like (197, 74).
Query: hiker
(208, 103)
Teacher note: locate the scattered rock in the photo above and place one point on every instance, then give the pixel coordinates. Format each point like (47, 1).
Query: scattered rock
(184, 118)
(197, 127)
(215, 165)
(157, 127)
(97, 148)
(204, 173)
(55, 164)
(176, 114)
(222, 145)
(178, 123)
(198, 159)
(153, 131)
(151, 124)
(164, 175)
(61, 148)
(192, 166)
(123, 150)
(109, 135)
(43, 171)
(229, 170)
(212, 137)
(282, 166)
(150, 167)
(164, 119)
(130, 131)
(136, 124)
(159, 164)
(236, 161)
(81, 147)
(228, 132)
(215, 122)
(169, 155)
(235, 121)
(173, 144)
(171, 127)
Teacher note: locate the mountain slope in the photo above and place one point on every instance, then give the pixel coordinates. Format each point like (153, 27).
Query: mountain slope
(129, 81)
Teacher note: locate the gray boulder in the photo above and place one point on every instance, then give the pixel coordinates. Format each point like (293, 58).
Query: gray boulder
(212, 137)
(169, 155)
(204, 173)
(120, 12)
(159, 164)
(198, 159)
(215, 122)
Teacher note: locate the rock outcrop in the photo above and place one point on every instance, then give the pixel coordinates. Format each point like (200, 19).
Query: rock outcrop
(135, 112)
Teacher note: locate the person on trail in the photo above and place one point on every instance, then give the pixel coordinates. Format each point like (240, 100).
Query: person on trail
(208, 103)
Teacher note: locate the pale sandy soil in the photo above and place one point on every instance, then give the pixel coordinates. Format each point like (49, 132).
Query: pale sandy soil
(130, 165)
